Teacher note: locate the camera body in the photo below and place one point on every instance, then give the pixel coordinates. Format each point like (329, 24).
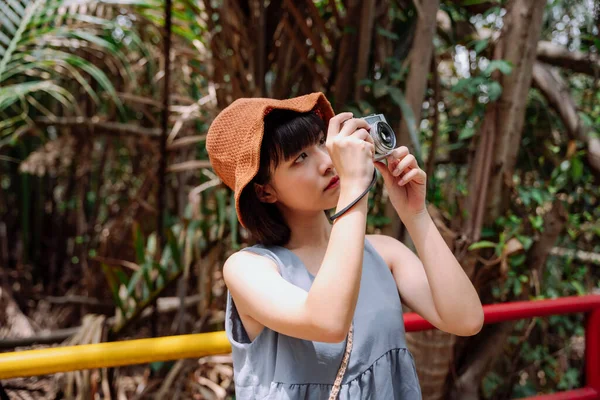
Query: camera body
(383, 135)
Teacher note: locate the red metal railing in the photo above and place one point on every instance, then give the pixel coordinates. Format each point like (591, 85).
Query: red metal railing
(47, 361)
(541, 308)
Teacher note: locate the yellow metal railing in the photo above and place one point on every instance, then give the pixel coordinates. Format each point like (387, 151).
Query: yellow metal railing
(102, 355)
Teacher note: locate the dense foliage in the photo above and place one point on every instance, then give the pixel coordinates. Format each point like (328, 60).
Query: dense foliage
(81, 103)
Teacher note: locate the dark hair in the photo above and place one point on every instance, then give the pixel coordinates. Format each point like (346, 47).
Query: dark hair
(286, 133)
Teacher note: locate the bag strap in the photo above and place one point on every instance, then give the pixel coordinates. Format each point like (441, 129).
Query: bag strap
(342, 370)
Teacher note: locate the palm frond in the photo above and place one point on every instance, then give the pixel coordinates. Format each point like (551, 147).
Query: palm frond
(22, 23)
(42, 40)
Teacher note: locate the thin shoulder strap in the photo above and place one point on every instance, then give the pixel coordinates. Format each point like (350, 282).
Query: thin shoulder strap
(342, 370)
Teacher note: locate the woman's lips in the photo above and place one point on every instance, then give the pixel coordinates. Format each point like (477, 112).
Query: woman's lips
(335, 181)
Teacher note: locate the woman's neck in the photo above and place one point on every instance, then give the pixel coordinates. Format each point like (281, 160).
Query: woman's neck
(308, 232)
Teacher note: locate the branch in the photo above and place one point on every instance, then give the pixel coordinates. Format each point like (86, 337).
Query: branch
(189, 165)
(109, 128)
(430, 166)
(552, 86)
(165, 305)
(579, 255)
(547, 52)
(483, 351)
(560, 56)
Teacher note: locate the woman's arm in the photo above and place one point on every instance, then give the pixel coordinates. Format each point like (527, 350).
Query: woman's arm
(435, 286)
(324, 313)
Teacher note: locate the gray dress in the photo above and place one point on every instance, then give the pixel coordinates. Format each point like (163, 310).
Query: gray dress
(276, 366)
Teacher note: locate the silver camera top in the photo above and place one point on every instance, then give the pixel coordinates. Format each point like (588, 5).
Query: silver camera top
(383, 135)
(371, 119)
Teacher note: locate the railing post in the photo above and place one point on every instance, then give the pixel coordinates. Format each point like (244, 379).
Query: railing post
(592, 350)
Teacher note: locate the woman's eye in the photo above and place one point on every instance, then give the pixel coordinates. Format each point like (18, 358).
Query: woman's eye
(300, 157)
(323, 140)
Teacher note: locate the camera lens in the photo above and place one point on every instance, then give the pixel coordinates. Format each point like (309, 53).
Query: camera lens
(386, 135)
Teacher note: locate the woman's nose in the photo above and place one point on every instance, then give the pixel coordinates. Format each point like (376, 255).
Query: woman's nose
(325, 163)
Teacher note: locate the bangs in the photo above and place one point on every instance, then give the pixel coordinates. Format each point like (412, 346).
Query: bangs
(286, 134)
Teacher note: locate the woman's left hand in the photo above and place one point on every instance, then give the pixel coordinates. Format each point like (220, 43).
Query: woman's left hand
(406, 183)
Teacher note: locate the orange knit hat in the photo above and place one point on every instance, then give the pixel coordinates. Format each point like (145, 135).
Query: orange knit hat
(235, 136)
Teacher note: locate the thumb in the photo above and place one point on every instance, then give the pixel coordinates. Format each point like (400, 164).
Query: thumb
(384, 171)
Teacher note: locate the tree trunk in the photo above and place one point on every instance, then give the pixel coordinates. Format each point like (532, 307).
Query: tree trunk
(420, 60)
(490, 178)
(518, 45)
(416, 83)
(348, 51)
(364, 46)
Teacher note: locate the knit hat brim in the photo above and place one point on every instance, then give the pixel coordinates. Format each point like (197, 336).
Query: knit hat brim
(235, 137)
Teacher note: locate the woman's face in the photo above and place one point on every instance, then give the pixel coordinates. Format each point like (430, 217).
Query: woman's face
(300, 182)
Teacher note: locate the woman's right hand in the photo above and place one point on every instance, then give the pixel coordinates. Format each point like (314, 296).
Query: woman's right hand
(351, 150)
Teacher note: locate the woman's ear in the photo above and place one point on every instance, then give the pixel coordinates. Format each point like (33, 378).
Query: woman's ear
(265, 193)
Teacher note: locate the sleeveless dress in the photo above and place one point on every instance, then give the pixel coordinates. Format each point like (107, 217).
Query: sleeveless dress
(276, 367)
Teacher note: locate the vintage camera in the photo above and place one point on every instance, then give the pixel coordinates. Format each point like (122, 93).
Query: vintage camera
(383, 135)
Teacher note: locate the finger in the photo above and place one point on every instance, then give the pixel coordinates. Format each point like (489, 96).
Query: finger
(352, 125)
(406, 162)
(399, 152)
(411, 175)
(362, 134)
(394, 157)
(384, 171)
(335, 123)
(371, 150)
(369, 138)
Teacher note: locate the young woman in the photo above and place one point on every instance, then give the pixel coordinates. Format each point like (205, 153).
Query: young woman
(314, 309)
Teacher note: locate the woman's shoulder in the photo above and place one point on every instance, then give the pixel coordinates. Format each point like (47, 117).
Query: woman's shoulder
(389, 248)
(250, 256)
(253, 258)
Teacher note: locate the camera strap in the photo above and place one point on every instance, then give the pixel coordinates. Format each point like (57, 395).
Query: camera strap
(337, 215)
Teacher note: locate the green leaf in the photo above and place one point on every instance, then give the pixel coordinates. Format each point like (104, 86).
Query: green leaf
(388, 34)
(133, 281)
(461, 85)
(579, 288)
(518, 260)
(380, 88)
(466, 133)
(526, 241)
(482, 245)
(502, 65)
(173, 245)
(221, 206)
(576, 169)
(480, 45)
(100, 77)
(123, 279)
(114, 285)
(148, 287)
(24, 24)
(138, 241)
(536, 194)
(475, 2)
(517, 287)
(494, 90)
(151, 245)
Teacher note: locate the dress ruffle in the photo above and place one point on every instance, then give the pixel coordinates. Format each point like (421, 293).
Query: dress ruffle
(392, 376)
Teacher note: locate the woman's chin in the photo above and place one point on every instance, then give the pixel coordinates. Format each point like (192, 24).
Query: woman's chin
(333, 203)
